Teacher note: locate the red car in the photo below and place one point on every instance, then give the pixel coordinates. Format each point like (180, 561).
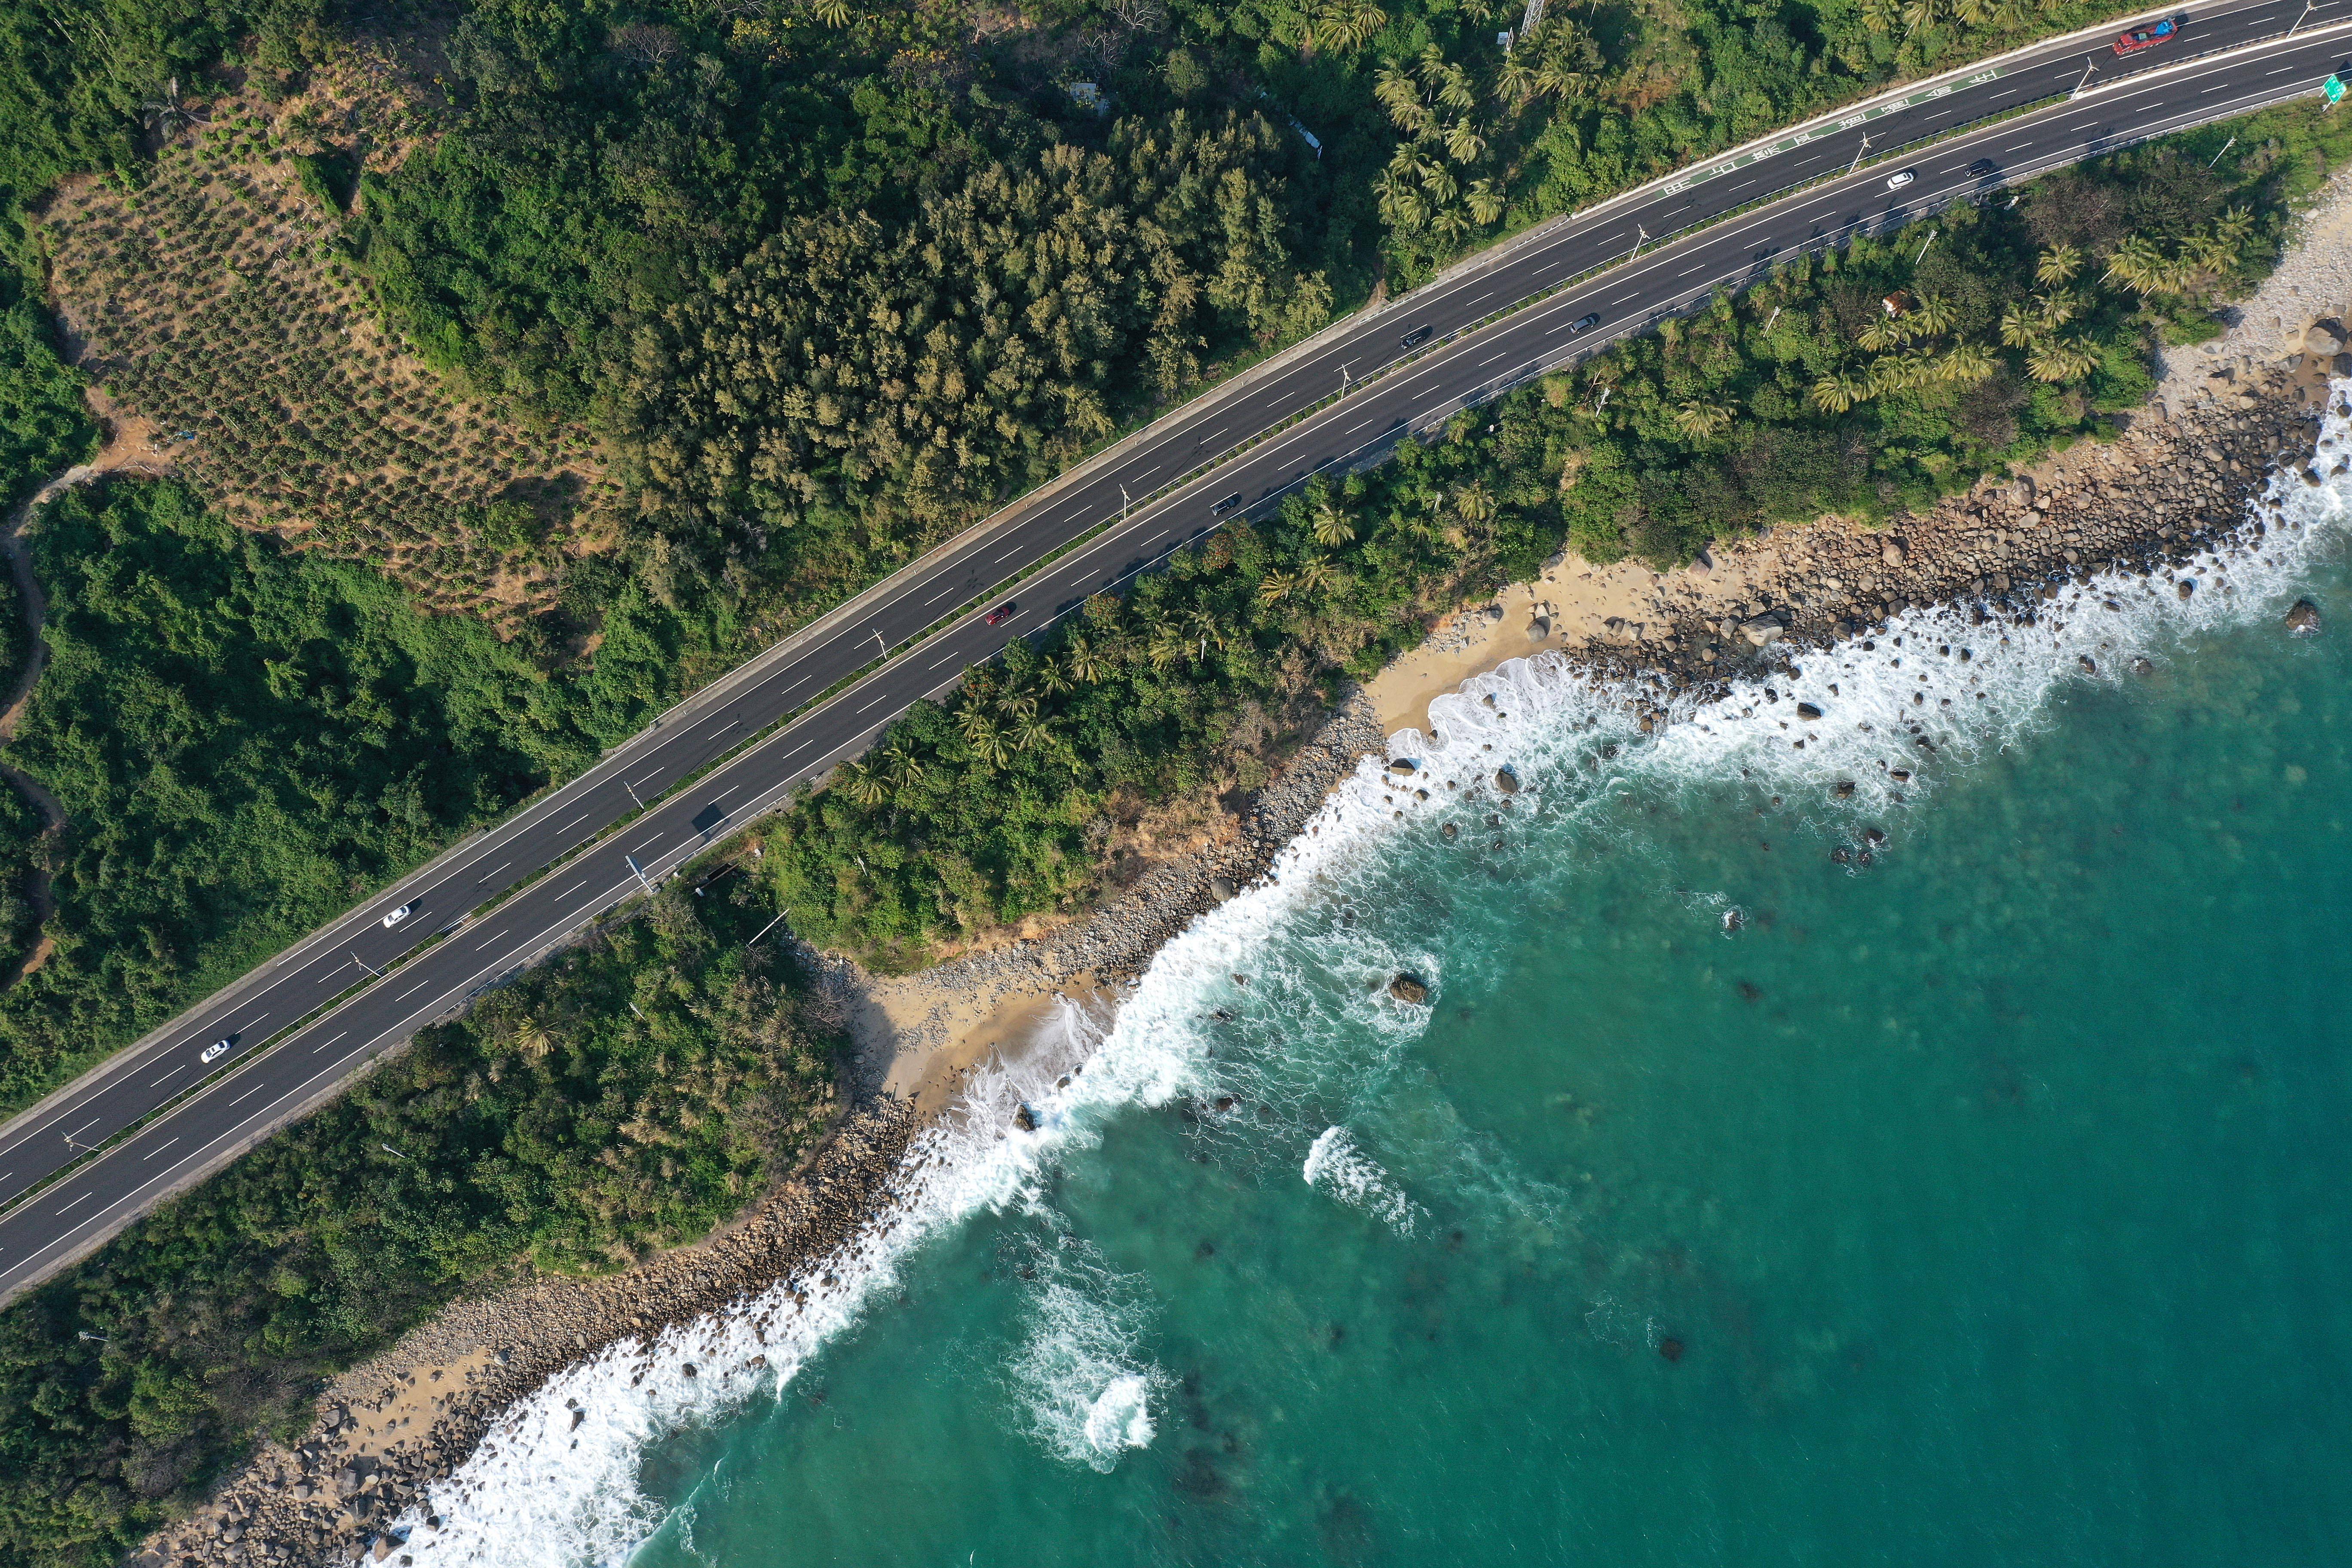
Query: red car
(2146, 38)
(998, 614)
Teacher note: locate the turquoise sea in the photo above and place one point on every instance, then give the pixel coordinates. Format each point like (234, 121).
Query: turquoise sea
(1752, 1188)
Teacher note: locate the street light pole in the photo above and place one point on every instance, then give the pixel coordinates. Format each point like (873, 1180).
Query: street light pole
(2307, 5)
(1858, 151)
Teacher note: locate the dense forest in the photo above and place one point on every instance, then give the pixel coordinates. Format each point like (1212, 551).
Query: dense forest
(823, 283)
(627, 1097)
(247, 738)
(2017, 328)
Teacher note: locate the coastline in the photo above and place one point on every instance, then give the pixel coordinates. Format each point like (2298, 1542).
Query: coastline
(2224, 417)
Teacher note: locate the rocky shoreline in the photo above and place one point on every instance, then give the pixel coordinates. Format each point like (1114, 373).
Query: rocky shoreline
(2229, 416)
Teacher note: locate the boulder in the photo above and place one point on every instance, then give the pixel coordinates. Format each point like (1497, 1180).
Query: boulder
(1220, 888)
(1506, 781)
(1843, 789)
(1762, 630)
(2090, 665)
(2142, 667)
(2324, 339)
(2186, 587)
(1808, 710)
(1409, 989)
(2303, 618)
(1893, 552)
(1025, 1118)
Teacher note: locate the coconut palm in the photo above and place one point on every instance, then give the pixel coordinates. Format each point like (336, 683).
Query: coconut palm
(1835, 393)
(1881, 16)
(531, 1039)
(1462, 142)
(832, 13)
(2139, 266)
(1933, 315)
(1918, 15)
(2020, 328)
(864, 783)
(1699, 419)
(906, 768)
(1317, 573)
(986, 743)
(1276, 586)
(2063, 359)
(2057, 266)
(1333, 527)
(1965, 363)
(1401, 96)
(1884, 333)
(1473, 503)
(1087, 666)
(1486, 203)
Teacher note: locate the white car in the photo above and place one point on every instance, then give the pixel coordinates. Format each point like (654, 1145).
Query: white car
(398, 916)
(1901, 178)
(214, 1051)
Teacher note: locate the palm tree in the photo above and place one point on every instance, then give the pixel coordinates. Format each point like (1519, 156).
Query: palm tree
(1485, 201)
(1401, 96)
(2059, 264)
(832, 13)
(1880, 15)
(1317, 573)
(1933, 315)
(532, 1040)
(1977, 13)
(2018, 329)
(2139, 266)
(1699, 419)
(1031, 734)
(1473, 503)
(1918, 15)
(2063, 359)
(980, 734)
(1462, 142)
(1333, 527)
(1884, 333)
(905, 768)
(1835, 393)
(864, 783)
(1087, 666)
(1167, 645)
(1276, 586)
(1965, 365)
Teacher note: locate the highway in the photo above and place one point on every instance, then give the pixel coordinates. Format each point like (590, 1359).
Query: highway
(502, 898)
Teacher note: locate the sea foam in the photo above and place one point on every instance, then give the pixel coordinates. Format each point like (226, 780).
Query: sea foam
(555, 1482)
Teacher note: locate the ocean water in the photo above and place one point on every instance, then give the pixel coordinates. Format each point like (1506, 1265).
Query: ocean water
(1915, 1135)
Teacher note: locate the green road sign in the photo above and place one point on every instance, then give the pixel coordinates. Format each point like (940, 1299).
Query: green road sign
(2334, 88)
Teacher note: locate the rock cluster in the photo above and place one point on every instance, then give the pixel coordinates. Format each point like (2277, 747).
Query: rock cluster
(2141, 502)
(331, 1496)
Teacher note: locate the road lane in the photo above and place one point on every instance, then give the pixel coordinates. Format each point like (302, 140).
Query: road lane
(257, 1091)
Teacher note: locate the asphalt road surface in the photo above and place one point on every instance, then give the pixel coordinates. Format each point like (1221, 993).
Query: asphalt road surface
(253, 1090)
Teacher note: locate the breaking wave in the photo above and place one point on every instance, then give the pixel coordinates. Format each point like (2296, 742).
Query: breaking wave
(556, 1480)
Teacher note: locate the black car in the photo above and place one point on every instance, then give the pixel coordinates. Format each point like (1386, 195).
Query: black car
(1415, 338)
(1583, 324)
(1982, 167)
(1227, 504)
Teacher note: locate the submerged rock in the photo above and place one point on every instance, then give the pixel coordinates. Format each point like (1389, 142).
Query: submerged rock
(1506, 781)
(1409, 989)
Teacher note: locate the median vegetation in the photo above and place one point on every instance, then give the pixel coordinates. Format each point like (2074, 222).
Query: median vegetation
(626, 1096)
